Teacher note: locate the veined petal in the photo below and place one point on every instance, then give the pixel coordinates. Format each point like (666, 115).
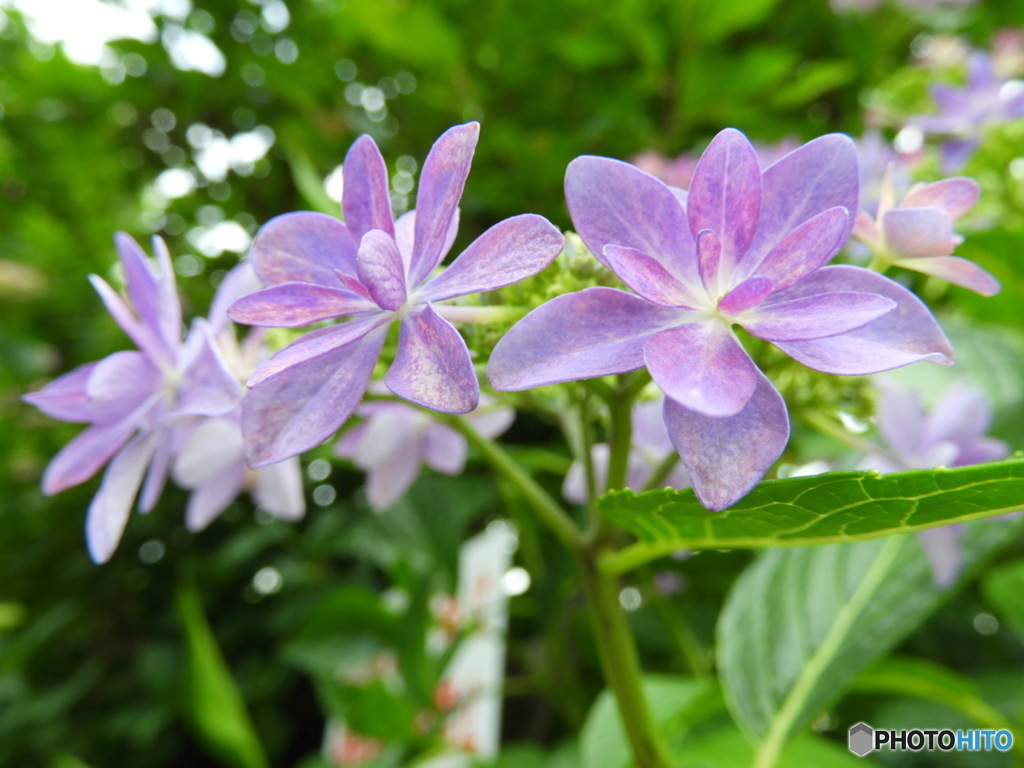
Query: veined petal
(208, 501)
(647, 277)
(440, 189)
(747, 294)
(615, 203)
(579, 335)
(82, 458)
(815, 317)
(405, 235)
(365, 198)
(508, 252)
(208, 386)
(725, 195)
(142, 335)
(955, 196)
(810, 246)
(112, 504)
(304, 404)
(915, 232)
(292, 305)
(303, 247)
(65, 398)
(821, 174)
(703, 367)
(278, 489)
(906, 335)
(314, 345)
(709, 257)
(381, 269)
(957, 271)
(432, 366)
(727, 457)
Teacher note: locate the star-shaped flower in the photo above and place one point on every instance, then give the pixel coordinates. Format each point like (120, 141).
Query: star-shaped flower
(747, 249)
(376, 271)
(917, 233)
(950, 434)
(396, 440)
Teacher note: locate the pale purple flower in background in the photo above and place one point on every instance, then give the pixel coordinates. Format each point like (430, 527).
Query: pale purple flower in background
(964, 112)
(396, 440)
(210, 453)
(128, 398)
(749, 248)
(917, 233)
(876, 156)
(649, 447)
(376, 271)
(950, 434)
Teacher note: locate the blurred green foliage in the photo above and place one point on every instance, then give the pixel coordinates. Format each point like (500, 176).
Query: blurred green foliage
(96, 667)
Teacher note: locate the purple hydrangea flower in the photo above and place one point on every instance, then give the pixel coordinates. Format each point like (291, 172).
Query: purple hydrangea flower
(950, 434)
(965, 112)
(917, 233)
(748, 249)
(128, 398)
(210, 451)
(649, 448)
(376, 271)
(396, 440)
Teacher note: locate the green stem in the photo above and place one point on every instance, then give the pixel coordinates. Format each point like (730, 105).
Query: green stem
(547, 509)
(621, 440)
(827, 426)
(786, 720)
(587, 455)
(620, 662)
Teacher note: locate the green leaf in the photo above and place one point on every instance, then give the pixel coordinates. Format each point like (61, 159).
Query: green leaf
(716, 19)
(673, 701)
(800, 624)
(904, 676)
(727, 748)
(215, 705)
(824, 509)
(1003, 588)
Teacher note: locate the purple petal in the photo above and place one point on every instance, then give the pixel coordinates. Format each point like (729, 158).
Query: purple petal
(207, 502)
(112, 504)
(900, 421)
(65, 397)
(209, 452)
(278, 489)
(508, 252)
(169, 323)
(390, 453)
(646, 277)
(304, 404)
(747, 294)
(491, 420)
(957, 271)
(125, 378)
(239, 282)
(405, 235)
(703, 367)
(821, 174)
(615, 203)
(955, 196)
(725, 195)
(208, 386)
(980, 450)
(441, 184)
(365, 197)
(444, 449)
(906, 335)
(919, 232)
(579, 335)
(156, 475)
(381, 269)
(942, 547)
(141, 282)
(807, 248)
(709, 256)
(82, 458)
(815, 317)
(303, 247)
(961, 414)
(727, 457)
(315, 344)
(432, 366)
(291, 305)
(142, 335)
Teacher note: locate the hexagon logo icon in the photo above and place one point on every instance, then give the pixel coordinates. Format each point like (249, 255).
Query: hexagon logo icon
(861, 739)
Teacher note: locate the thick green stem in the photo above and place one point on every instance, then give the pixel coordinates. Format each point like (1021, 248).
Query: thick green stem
(621, 441)
(621, 663)
(547, 509)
